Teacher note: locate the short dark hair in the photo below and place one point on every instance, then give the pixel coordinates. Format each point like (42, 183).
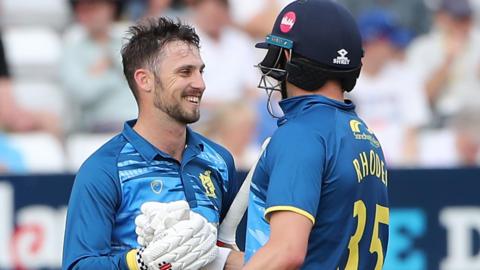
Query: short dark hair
(147, 40)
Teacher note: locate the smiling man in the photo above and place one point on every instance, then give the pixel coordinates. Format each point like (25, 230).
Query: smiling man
(157, 158)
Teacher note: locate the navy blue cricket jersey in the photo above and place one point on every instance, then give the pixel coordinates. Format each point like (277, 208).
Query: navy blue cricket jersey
(128, 171)
(325, 164)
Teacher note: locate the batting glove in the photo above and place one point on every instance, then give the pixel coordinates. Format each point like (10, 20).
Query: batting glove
(156, 216)
(187, 245)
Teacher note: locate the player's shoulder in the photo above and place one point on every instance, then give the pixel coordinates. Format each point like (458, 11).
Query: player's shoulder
(98, 175)
(103, 162)
(295, 132)
(318, 119)
(316, 124)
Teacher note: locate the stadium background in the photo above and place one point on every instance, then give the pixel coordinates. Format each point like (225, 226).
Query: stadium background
(64, 95)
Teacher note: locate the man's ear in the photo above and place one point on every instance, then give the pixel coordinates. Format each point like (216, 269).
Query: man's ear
(144, 80)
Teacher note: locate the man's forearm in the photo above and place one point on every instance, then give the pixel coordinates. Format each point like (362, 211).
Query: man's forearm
(271, 257)
(234, 261)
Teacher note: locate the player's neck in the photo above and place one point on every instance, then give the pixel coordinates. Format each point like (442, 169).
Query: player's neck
(330, 90)
(164, 133)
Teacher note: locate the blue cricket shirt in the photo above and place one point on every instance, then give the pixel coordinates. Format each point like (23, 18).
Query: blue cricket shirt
(128, 171)
(325, 164)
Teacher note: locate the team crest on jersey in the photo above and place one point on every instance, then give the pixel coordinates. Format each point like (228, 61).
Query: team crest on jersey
(208, 184)
(157, 186)
(362, 135)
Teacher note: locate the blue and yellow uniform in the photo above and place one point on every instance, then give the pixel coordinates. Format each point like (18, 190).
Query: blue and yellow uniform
(325, 164)
(128, 171)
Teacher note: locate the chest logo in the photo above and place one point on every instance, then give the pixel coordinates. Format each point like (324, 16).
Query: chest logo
(363, 135)
(208, 184)
(157, 186)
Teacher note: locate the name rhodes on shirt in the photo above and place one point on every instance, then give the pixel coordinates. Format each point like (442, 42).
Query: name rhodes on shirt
(370, 164)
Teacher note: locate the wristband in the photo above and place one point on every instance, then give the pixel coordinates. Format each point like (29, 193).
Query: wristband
(141, 264)
(132, 260)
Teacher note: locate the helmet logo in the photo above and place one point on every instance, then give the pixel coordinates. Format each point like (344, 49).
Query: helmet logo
(288, 21)
(342, 59)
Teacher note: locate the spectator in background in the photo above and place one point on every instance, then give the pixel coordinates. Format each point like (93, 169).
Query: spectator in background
(141, 9)
(412, 14)
(92, 71)
(233, 126)
(476, 10)
(156, 8)
(226, 51)
(466, 126)
(448, 60)
(256, 17)
(15, 118)
(455, 145)
(388, 96)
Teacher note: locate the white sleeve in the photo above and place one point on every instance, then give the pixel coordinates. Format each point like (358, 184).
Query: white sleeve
(415, 106)
(424, 56)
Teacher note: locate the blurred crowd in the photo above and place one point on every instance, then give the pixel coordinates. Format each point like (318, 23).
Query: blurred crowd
(63, 94)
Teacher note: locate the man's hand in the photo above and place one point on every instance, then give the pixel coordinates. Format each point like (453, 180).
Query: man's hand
(189, 244)
(159, 217)
(173, 236)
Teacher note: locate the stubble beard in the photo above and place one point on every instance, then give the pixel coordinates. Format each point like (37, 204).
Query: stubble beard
(173, 108)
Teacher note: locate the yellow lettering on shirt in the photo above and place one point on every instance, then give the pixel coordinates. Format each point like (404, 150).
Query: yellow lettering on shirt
(370, 164)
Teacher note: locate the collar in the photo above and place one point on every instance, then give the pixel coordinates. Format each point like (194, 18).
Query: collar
(294, 105)
(148, 151)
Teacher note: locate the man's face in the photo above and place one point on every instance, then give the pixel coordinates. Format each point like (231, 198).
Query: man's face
(95, 16)
(179, 82)
(454, 27)
(159, 6)
(214, 16)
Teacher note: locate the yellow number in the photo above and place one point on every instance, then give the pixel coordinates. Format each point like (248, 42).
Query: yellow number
(360, 212)
(381, 216)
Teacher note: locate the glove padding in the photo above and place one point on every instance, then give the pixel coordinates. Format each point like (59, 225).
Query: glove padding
(158, 216)
(174, 236)
(189, 245)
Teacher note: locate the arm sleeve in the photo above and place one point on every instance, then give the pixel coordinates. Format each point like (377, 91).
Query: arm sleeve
(414, 102)
(296, 161)
(90, 219)
(233, 185)
(421, 59)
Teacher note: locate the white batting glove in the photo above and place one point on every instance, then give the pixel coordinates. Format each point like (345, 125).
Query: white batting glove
(187, 245)
(158, 216)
